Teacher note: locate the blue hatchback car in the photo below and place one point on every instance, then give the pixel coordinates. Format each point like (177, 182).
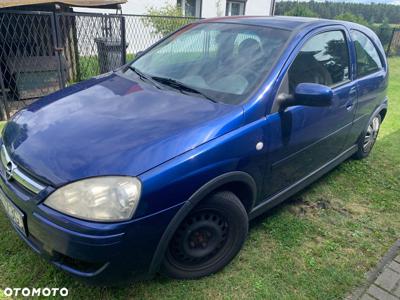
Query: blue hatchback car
(160, 165)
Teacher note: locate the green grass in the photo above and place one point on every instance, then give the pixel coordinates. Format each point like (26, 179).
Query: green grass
(89, 65)
(318, 245)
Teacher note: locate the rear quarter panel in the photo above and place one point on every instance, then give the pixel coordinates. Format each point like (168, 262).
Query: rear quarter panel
(371, 89)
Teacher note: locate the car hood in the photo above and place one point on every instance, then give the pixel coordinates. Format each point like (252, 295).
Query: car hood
(112, 125)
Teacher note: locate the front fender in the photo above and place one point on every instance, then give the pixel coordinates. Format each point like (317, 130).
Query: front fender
(236, 176)
(190, 177)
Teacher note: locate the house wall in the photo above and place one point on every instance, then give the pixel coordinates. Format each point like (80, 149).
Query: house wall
(258, 7)
(210, 8)
(217, 8)
(140, 7)
(213, 8)
(134, 7)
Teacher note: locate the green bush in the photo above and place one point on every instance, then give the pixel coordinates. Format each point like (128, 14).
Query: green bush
(164, 20)
(352, 18)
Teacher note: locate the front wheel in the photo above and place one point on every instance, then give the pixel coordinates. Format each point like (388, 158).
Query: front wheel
(208, 238)
(368, 138)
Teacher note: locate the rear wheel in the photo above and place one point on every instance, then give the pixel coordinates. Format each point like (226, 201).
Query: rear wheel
(368, 138)
(208, 238)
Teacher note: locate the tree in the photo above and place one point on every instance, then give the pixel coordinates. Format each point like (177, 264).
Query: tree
(301, 11)
(165, 20)
(384, 32)
(352, 18)
(374, 12)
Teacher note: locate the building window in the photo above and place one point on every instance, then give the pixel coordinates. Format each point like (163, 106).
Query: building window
(235, 8)
(190, 8)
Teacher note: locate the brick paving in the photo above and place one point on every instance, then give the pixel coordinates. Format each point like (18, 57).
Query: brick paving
(383, 282)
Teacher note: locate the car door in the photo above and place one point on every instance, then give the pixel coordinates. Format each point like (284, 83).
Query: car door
(302, 139)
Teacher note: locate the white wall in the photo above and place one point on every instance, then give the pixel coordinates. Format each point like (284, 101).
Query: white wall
(139, 7)
(258, 7)
(134, 7)
(216, 8)
(211, 8)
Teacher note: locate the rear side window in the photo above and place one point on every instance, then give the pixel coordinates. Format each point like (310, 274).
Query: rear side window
(368, 60)
(324, 59)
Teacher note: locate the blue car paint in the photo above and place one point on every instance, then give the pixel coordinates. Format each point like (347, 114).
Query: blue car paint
(176, 144)
(118, 118)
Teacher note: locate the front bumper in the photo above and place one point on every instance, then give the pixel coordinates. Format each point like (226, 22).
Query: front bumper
(100, 253)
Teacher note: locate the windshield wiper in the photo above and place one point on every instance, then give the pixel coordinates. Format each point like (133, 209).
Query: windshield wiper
(180, 86)
(143, 76)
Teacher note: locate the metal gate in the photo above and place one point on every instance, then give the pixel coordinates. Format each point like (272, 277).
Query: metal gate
(30, 65)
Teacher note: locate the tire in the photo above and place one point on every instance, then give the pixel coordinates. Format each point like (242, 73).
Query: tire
(208, 238)
(368, 138)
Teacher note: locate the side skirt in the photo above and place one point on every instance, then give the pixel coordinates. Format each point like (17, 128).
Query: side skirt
(302, 183)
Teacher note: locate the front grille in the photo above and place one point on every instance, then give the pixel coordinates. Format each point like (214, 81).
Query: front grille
(14, 174)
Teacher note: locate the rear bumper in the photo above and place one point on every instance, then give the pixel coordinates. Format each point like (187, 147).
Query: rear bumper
(99, 253)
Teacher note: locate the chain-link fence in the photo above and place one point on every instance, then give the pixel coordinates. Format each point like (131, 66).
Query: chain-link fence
(394, 44)
(29, 66)
(97, 43)
(92, 44)
(42, 52)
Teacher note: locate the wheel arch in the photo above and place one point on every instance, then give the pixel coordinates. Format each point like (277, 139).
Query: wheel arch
(383, 112)
(380, 110)
(238, 182)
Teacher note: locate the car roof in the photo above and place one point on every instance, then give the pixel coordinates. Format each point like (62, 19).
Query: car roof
(282, 22)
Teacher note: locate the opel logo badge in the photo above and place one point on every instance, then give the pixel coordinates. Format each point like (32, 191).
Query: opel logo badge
(9, 170)
(8, 166)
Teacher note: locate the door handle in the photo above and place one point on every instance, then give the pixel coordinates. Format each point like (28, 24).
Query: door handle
(352, 98)
(349, 106)
(353, 92)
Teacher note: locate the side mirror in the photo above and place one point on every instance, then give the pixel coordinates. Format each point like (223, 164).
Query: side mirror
(309, 94)
(139, 53)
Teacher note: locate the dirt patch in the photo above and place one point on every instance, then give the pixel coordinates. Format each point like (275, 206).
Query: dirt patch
(300, 206)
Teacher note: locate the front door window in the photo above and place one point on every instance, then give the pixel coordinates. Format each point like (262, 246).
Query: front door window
(324, 59)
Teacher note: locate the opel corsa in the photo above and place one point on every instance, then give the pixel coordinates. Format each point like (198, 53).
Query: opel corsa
(160, 165)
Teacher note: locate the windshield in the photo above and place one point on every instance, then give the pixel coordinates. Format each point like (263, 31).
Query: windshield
(221, 61)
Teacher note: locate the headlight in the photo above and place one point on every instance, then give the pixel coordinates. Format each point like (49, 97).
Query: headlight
(98, 199)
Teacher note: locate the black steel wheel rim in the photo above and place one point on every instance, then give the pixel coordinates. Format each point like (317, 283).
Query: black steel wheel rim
(199, 240)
